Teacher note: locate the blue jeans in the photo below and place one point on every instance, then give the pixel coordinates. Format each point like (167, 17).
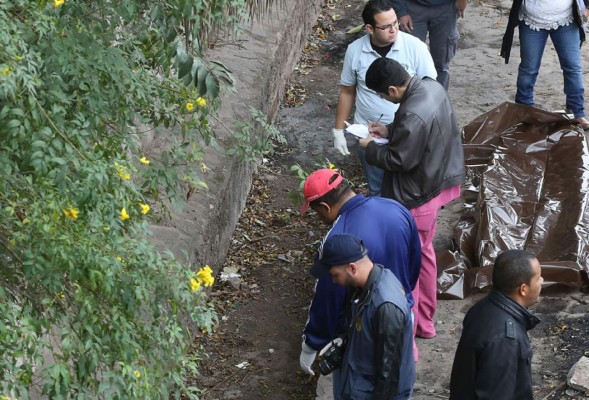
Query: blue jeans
(567, 42)
(440, 22)
(374, 175)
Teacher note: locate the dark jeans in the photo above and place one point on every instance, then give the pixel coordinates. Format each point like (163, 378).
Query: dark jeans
(440, 22)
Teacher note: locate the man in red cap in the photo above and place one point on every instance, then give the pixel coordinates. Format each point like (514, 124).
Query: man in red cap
(389, 233)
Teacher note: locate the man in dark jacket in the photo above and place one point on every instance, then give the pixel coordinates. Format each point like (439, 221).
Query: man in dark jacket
(378, 361)
(423, 163)
(388, 230)
(494, 357)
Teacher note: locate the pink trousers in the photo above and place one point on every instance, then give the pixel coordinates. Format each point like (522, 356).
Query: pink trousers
(425, 292)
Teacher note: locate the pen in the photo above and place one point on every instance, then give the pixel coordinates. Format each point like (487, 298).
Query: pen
(378, 120)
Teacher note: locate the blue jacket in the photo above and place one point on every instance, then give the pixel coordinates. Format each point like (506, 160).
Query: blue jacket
(391, 237)
(378, 363)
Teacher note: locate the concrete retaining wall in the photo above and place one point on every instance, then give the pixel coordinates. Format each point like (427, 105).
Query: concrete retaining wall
(261, 60)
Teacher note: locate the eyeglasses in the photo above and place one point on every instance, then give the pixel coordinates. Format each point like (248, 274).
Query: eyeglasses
(389, 26)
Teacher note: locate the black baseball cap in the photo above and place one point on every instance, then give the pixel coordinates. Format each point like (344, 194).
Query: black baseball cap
(338, 249)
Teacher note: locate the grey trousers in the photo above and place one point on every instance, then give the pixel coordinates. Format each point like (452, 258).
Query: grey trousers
(440, 23)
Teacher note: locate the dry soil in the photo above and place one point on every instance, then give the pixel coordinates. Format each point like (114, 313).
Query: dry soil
(253, 352)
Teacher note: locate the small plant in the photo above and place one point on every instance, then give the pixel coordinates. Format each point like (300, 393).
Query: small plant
(255, 139)
(297, 197)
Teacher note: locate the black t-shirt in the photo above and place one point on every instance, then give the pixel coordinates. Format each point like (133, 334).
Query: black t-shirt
(383, 51)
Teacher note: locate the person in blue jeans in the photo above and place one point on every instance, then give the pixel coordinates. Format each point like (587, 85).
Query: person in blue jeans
(561, 20)
(383, 39)
(438, 18)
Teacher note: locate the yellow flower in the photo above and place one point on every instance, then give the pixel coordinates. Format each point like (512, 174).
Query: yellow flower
(71, 212)
(332, 166)
(201, 102)
(144, 160)
(137, 374)
(189, 106)
(144, 208)
(124, 216)
(120, 259)
(61, 295)
(122, 171)
(194, 284)
(205, 276)
(5, 71)
(57, 3)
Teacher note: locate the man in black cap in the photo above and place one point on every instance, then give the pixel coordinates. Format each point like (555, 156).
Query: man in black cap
(378, 361)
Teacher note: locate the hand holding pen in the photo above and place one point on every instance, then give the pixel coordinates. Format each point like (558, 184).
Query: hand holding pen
(377, 129)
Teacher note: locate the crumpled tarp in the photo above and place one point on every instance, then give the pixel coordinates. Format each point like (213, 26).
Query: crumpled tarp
(527, 188)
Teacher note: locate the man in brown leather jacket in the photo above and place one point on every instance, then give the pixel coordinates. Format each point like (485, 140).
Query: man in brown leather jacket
(423, 163)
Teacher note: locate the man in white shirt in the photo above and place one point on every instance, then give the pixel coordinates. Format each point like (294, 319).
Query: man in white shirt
(383, 40)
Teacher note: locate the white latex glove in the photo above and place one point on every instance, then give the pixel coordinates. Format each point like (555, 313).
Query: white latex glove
(335, 342)
(306, 358)
(339, 141)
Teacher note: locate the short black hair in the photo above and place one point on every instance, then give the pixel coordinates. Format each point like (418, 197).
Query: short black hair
(512, 269)
(384, 72)
(374, 7)
(334, 195)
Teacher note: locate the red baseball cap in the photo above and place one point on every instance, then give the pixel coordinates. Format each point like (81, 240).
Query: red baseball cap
(318, 184)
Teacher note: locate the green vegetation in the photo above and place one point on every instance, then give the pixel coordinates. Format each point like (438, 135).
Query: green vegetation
(87, 307)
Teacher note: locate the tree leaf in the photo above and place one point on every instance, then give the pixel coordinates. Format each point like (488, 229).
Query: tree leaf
(186, 67)
(212, 85)
(199, 80)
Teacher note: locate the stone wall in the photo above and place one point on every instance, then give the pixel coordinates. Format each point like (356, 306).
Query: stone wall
(261, 60)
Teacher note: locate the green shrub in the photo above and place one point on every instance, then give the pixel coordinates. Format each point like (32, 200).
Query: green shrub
(87, 307)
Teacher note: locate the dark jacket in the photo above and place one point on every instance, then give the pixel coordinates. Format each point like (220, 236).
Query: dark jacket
(378, 363)
(514, 21)
(494, 356)
(391, 237)
(424, 155)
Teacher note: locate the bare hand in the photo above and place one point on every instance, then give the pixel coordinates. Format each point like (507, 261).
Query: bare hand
(378, 130)
(406, 23)
(364, 142)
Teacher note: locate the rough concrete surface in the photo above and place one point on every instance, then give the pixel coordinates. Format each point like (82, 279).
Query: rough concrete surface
(578, 377)
(261, 60)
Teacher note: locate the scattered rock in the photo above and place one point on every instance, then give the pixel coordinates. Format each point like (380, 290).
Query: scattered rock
(230, 275)
(285, 258)
(296, 253)
(578, 376)
(232, 394)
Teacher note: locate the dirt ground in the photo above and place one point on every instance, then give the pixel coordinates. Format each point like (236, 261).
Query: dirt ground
(253, 352)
